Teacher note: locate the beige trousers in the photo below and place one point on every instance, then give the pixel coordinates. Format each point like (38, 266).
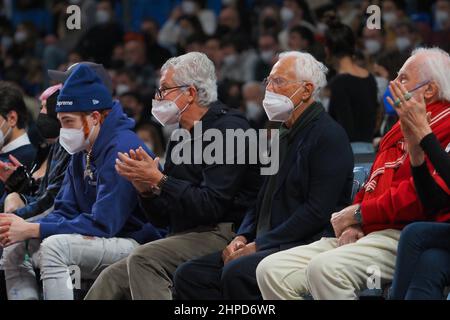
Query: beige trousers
(327, 271)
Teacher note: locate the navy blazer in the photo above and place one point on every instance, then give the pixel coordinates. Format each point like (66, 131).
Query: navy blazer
(315, 180)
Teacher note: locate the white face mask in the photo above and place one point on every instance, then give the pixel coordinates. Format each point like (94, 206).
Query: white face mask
(389, 17)
(121, 89)
(167, 111)
(286, 14)
(267, 56)
(372, 46)
(252, 110)
(73, 139)
(279, 107)
(102, 16)
(402, 43)
(3, 136)
(440, 17)
(188, 7)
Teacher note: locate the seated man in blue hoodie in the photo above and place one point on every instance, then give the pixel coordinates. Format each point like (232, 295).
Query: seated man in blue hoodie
(96, 220)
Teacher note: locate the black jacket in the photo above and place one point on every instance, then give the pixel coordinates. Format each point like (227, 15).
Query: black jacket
(201, 195)
(315, 180)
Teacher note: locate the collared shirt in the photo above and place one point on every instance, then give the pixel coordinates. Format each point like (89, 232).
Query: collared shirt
(16, 143)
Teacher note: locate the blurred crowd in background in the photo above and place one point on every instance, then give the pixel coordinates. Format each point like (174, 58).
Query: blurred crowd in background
(133, 38)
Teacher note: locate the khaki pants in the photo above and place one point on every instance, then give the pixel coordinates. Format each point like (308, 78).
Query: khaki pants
(148, 271)
(327, 271)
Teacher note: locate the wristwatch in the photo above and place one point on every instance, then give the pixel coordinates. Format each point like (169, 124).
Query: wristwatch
(357, 215)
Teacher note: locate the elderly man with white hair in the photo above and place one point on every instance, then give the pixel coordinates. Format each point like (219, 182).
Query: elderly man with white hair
(198, 201)
(337, 268)
(294, 206)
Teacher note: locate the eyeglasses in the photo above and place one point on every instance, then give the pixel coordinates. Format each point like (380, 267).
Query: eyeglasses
(159, 92)
(278, 82)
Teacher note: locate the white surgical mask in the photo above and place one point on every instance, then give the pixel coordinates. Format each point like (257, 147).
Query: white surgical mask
(102, 16)
(267, 56)
(121, 89)
(73, 139)
(230, 59)
(389, 17)
(3, 136)
(252, 110)
(441, 17)
(402, 43)
(286, 15)
(279, 107)
(188, 7)
(372, 46)
(20, 37)
(167, 111)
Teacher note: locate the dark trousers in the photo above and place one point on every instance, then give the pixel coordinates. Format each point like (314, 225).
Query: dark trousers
(423, 262)
(208, 278)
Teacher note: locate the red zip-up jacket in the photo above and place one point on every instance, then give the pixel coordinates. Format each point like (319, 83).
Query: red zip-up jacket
(395, 203)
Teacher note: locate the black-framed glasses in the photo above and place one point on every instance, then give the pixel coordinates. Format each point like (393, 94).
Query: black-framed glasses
(159, 93)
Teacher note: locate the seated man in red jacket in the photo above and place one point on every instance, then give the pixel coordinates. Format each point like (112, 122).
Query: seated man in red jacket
(364, 251)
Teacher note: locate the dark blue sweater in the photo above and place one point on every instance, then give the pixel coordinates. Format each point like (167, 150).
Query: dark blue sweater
(106, 206)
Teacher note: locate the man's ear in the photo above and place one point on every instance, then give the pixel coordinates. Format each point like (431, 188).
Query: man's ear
(12, 118)
(431, 91)
(309, 89)
(192, 94)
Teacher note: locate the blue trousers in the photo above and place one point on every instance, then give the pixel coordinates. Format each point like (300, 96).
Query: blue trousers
(207, 278)
(423, 262)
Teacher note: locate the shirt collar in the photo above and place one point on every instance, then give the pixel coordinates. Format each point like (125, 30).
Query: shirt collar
(16, 143)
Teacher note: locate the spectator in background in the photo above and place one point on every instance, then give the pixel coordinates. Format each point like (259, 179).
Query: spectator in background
(237, 63)
(98, 43)
(253, 95)
(151, 133)
(125, 81)
(353, 91)
(269, 21)
(156, 54)
(206, 17)
(293, 13)
(268, 51)
(213, 51)
(133, 106)
(33, 190)
(135, 57)
(13, 136)
(406, 37)
(373, 41)
(300, 39)
(441, 22)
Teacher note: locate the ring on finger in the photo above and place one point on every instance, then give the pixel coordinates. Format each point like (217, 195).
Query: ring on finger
(407, 96)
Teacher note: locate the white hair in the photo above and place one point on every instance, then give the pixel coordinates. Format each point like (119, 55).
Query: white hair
(436, 67)
(308, 68)
(194, 68)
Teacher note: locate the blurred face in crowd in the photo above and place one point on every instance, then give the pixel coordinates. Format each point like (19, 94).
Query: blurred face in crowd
(104, 12)
(373, 41)
(150, 29)
(269, 19)
(229, 54)
(406, 38)
(212, 50)
(283, 80)
(253, 94)
(442, 14)
(131, 105)
(290, 11)
(410, 76)
(268, 47)
(123, 83)
(229, 17)
(296, 42)
(390, 12)
(135, 53)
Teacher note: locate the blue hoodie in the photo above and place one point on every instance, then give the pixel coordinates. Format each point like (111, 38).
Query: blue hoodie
(106, 206)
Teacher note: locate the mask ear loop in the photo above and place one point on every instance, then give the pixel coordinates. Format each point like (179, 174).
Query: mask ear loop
(301, 102)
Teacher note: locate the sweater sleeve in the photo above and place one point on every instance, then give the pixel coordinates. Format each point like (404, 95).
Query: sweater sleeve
(437, 156)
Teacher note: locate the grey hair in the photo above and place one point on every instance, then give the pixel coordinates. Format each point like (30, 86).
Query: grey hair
(308, 68)
(195, 68)
(436, 67)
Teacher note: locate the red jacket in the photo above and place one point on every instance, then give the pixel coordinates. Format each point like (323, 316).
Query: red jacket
(389, 199)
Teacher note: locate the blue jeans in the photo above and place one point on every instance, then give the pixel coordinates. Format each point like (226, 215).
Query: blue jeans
(423, 262)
